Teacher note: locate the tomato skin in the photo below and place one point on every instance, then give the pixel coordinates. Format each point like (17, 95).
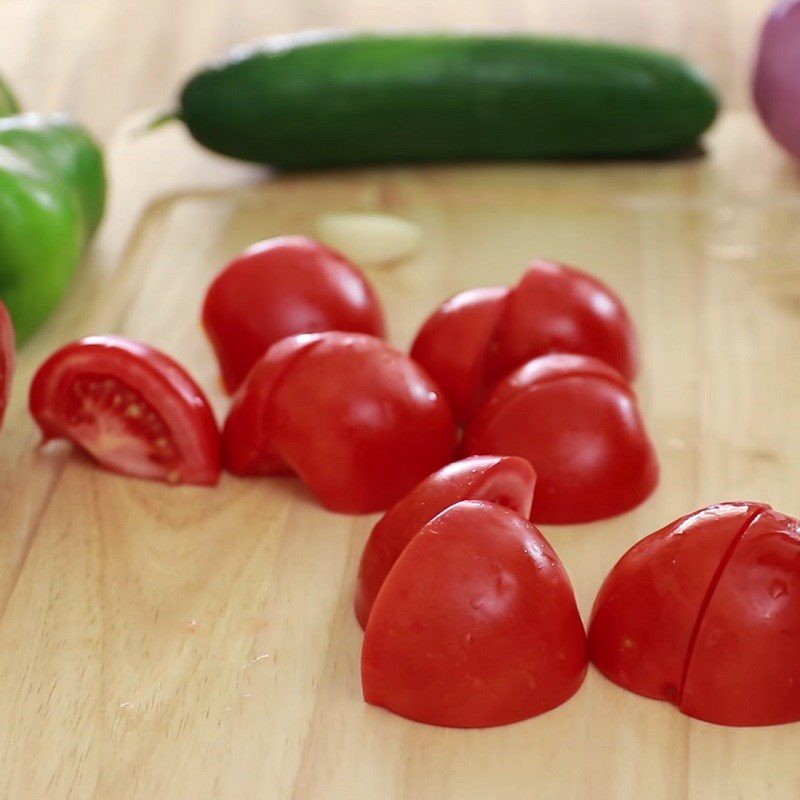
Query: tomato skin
(246, 444)
(124, 371)
(7, 358)
(706, 614)
(477, 337)
(504, 480)
(278, 288)
(559, 309)
(453, 345)
(475, 625)
(577, 422)
(356, 419)
(645, 613)
(744, 668)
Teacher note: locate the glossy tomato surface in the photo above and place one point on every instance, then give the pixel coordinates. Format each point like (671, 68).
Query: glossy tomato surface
(706, 614)
(7, 358)
(454, 342)
(645, 613)
(357, 420)
(576, 420)
(281, 287)
(475, 625)
(477, 337)
(505, 480)
(744, 667)
(134, 409)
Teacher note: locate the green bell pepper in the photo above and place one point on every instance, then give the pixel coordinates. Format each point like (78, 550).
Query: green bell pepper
(8, 103)
(52, 194)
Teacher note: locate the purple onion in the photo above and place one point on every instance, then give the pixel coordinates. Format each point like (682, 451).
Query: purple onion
(776, 81)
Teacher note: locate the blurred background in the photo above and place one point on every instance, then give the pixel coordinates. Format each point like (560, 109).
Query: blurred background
(103, 59)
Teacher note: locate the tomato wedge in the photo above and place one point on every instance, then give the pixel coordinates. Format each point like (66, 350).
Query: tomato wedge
(475, 625)
(505, 480)
(7, 358)
(477, 337)
(132, 408)
(357, 420)
(454, 345)
(705, 614)
(281, 287)
(576, 420)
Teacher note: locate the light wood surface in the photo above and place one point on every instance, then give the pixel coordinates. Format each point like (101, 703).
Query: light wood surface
(188, 643)
(191, 643)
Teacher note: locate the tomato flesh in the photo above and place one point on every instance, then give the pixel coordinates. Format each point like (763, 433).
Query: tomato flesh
(705, 614)
(475, 625)
(503, 480)
(479, 336)
(278, 288)
(357, 420)
(133, 409)
(577, 422)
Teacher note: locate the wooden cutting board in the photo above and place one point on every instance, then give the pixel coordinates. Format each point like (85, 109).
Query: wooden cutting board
(162, 642)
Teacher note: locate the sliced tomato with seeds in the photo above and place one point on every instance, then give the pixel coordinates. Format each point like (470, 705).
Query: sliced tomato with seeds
(7, 358)
(504, 480)
(132, 408)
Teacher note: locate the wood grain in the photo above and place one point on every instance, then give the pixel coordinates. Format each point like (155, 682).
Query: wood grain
(190, 643)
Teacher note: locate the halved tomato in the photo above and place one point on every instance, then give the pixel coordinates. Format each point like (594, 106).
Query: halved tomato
(505, 480)
(576, 420)
(7, 358)
(281, 287)
(475, 625)
(705, 614)
(357, 420)
(479, 336)
(134, 409)
(454, 345)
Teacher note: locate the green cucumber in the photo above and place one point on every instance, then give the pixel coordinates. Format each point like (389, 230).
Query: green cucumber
(309, 101)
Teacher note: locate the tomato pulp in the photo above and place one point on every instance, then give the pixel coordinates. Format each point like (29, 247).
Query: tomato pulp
(134, 409)
(281, 287)
(475, 625)
(356, 419)
(505, 480)
(576, 420)
(477, 337)
(705, 614)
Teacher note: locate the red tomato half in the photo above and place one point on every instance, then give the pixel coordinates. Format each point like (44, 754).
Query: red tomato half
(281, 287)
(705, 613)
(477, 337)
(357, 420)
(135, 410)
(576, 421)
(7, 358)
(475, 625)
(506, 481)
